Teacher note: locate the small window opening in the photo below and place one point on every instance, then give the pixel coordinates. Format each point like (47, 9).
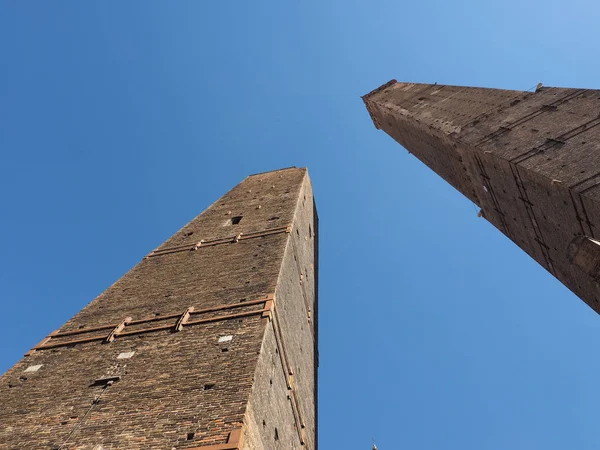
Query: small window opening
(309, 231)
(264, 424)
(224, 349)
(276, 434)
(190, 436)
(235, 220)
(209, 386)
(273, 218)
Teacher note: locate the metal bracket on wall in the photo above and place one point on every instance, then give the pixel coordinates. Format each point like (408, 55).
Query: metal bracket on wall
(581, 214)
(226, 240)
(544, 108)
(490, 191)
(111, 336)
(288, 373)
(302, 286)
(298, 419)
(557, 142)
(41, 343)
(539, 238)
(235, 441)
(183, 320)
(269, 308)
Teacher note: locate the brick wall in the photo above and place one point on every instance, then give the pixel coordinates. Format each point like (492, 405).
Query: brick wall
(190, 388)
(530, 160)
(276, 388)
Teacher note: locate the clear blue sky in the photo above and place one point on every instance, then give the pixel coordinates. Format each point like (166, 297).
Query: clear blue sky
(121, 121)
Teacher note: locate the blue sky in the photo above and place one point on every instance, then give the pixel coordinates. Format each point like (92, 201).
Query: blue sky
(121, 121)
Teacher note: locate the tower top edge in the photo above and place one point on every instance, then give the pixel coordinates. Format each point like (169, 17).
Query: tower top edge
(380, 88)
(279, 170)
(408, 84)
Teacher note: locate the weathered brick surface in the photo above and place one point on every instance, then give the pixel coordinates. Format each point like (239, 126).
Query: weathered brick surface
(185, 389)
(530, 160)
(297, 321)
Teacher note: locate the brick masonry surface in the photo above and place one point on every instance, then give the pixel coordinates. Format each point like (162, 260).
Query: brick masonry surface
(530, 160)
(192, 388)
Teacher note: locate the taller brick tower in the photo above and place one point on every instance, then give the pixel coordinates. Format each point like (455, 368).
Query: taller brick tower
(209, 343)
(530, 160)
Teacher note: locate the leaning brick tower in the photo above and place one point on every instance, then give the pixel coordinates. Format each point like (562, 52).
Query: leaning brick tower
(530, 160)
(209, 343)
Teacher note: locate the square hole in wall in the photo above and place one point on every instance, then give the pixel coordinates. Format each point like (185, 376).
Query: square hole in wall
(235, 220)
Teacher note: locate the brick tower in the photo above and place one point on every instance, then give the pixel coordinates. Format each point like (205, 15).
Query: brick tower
(209, 343)
(530, 160)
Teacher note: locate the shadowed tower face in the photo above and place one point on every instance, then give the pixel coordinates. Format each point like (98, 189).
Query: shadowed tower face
(210, 342)
(530, 160)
